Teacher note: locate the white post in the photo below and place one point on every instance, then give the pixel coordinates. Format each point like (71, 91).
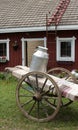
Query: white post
(45, 44)
(8, 49)
(23, 52)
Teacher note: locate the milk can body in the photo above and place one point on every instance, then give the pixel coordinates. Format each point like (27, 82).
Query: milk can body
(39, 60)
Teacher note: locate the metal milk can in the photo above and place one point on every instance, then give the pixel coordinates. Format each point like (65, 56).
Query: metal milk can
(39, 60)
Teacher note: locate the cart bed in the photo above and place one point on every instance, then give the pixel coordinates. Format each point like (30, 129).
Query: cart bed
(68, 89)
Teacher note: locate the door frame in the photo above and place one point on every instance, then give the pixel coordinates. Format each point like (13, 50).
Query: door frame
(24, 40)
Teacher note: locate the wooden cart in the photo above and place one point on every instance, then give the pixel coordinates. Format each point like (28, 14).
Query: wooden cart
(40, 95)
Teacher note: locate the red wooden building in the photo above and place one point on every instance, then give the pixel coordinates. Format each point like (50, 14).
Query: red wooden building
(24, 25)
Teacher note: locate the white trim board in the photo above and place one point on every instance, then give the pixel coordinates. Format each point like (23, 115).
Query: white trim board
(35, 29)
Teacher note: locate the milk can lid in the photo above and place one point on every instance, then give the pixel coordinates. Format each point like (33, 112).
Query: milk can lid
(42, 48)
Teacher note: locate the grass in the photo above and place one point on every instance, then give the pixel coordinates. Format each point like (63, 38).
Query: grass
(11, 117)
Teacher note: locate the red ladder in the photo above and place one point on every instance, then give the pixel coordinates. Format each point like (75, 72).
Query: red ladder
(59, 11)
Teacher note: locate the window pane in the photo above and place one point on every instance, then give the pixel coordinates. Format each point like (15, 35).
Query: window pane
(2, 49)
(65, 49)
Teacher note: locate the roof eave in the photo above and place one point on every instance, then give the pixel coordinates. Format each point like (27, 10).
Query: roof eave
(64, 27)
(35, 29)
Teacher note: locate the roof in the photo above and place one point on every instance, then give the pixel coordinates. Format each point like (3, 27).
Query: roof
(70, 16)
(25, 13)
(28, 15)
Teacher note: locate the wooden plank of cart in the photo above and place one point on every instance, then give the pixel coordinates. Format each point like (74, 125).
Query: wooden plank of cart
(40, 95)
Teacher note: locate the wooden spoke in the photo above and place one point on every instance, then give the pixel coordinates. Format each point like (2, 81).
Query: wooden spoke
(48, 91)
(50, 104)
(38, 109)
(30, 83)
(45, 109)
(37, 80)
(32, 107)
(26, 89)
(27, 102)
(44, 84)
(24, 95)
(65, 102)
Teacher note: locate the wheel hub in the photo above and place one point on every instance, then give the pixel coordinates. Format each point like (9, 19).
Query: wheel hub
(37, 96)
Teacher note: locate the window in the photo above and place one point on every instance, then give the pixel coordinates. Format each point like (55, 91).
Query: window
(65, 49)
(4, 49)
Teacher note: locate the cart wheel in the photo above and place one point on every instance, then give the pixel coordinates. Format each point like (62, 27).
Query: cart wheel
(62, 73)
(65, 74)
(38, 96)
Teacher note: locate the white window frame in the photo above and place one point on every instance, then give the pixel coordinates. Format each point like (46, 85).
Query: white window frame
(7, 47)
(58, 49)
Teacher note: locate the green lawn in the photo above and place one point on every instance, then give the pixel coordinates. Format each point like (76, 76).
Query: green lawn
(11, 118)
